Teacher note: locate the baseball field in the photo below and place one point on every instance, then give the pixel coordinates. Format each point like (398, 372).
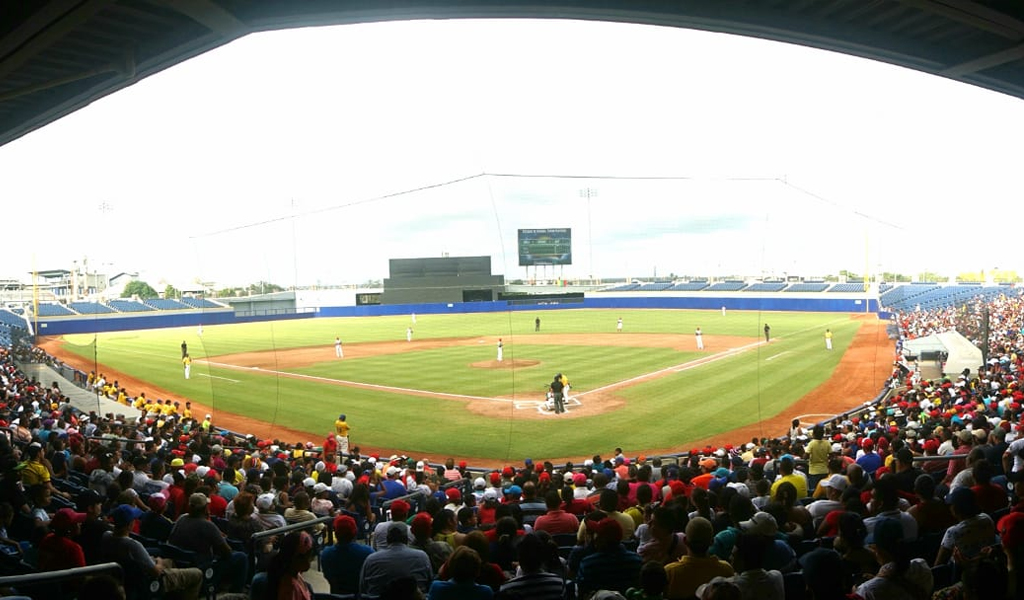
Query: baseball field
(442, 394)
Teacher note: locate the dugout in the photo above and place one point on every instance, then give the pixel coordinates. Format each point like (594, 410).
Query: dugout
(446, 279)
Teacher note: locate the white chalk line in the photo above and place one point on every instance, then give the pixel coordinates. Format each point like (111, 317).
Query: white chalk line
(774, 356)
(388, 388)
(218, 377)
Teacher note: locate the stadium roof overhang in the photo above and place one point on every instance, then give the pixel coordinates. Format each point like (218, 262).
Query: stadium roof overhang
(57, 56)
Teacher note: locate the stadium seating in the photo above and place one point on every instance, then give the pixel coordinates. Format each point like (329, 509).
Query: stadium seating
(852, 287)
(655, 287)
(166, 304)
(767, 286)
(54, 310)
(689, 286)
(807, 287)
(626, 287)
(11, 319)
(200, 303)
(90, 308)
(726, 286)
(125, 306)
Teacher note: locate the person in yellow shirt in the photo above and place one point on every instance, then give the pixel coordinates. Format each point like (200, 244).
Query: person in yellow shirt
(206, 423)
(786, 474)
(187, 413)
(187, 361)
(341, 429)
(828, 339)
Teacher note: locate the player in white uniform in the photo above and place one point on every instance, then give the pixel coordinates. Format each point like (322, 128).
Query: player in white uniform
(337, 348)
(501, 350)
(618, 326)
(700, 339)
(408, 334)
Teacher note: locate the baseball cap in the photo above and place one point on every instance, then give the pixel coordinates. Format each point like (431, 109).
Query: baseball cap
(1011, 530)
(265, 502)
(156, 502)
(700, 531)
(308, 482)
(87, 498)
(400, 508)
(453, 494)
(887, 534)
(345, 526)
(606, 529)
(392, 471)
(421, 525)
(419, 466)
(708, 463)
(479, 483)
(513, 490)
(761, 523)
(963, 500)
(579, 479)
(836, 482)
(490, 495)
(65, 518)
(197, 500)
(126, 515)
(320, 487)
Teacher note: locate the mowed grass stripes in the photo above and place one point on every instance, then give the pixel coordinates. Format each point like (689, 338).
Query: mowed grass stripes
(665, 412)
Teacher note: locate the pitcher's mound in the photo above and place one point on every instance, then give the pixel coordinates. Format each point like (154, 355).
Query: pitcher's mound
(505, 364)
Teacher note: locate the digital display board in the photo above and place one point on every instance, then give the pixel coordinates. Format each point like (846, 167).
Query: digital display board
(545, 247)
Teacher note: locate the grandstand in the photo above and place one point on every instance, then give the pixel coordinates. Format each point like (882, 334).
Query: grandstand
(726, 286)
(807, 287)
(166, 304)
(767, 286)
(128, 306)
(90, 308)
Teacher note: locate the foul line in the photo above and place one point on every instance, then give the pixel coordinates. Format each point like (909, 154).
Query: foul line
(217, 377)
(375, 386)
(774, 356)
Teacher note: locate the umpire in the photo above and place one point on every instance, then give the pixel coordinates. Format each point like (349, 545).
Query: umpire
(556, 390)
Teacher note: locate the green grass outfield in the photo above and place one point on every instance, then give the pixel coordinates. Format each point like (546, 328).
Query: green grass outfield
(669, 411)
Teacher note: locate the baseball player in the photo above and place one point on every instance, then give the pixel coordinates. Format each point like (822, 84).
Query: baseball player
(408, 334)
(618, 326)
(828, 339)
(700, 339)
(501, 350)
(341, 428)
(187, 361)
(337, 348)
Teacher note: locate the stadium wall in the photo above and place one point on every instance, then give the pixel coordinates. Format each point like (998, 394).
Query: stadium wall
(165, 319)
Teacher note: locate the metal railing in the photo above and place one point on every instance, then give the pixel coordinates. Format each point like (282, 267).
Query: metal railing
(28, 579)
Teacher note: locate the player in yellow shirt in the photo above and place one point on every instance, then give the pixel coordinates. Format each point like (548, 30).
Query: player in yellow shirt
(341, 429)
(187, 413)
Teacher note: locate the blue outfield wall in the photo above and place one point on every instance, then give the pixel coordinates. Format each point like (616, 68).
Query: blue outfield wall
(165, 319)
(767, 304)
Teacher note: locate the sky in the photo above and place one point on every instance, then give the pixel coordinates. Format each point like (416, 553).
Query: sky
(312, 156)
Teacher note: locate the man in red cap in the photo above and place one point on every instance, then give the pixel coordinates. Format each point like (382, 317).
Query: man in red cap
(611, 566)
(399, 513)
(57, 550)
(342, 562)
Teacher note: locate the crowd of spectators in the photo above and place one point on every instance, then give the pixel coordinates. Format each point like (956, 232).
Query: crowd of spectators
(912, 496)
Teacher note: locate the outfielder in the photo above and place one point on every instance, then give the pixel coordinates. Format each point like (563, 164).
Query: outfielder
(501, 350)
(187, 361)
(618, 326)
(408, 334)
(700, 339)
(828, 339)
(338, 351)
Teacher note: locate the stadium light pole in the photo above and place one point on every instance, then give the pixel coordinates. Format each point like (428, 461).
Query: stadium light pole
(589, 193)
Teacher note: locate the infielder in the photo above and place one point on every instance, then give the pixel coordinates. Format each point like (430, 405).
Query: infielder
(337, 348)
(700, 339)
(187, 361)
(618, 326)
(828, 339)
(501, 350)
(408, 334)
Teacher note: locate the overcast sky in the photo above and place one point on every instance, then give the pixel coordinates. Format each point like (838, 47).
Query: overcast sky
(778, 159)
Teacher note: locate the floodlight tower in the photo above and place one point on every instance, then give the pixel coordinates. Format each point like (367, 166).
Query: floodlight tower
(589, 193)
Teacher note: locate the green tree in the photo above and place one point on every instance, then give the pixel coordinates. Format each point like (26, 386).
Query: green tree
(139, 288)
(929, 277)
(171, 292)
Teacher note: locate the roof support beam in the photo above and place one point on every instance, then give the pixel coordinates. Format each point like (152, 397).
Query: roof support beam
(211, 16)
(974, 15)
(41, 36)
(984, 62)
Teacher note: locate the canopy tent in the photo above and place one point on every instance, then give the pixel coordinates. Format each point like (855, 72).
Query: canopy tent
(959, 351)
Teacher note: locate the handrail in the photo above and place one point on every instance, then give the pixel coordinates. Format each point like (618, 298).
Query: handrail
(387, 503)
(75, 573)
(259, 535)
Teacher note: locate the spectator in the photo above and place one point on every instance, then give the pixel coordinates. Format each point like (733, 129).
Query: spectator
(652, 583)
(886, 498)
(94, 526)
(193, 531)
(342, 562)
(243, 522)
(491, 573)
(118, 547)
(284, 573)
(57, 550)
(787, 475)
(399, 513)
(438, 552)
(534, 583)
(394, 561)
(611, 566)
(608, 503)
(697, 566)
(899, 577)
(667, 544)
(155, 524)
(556, 520)
(932, 514)
(754, 582)
(974, 531)
(463, 567)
